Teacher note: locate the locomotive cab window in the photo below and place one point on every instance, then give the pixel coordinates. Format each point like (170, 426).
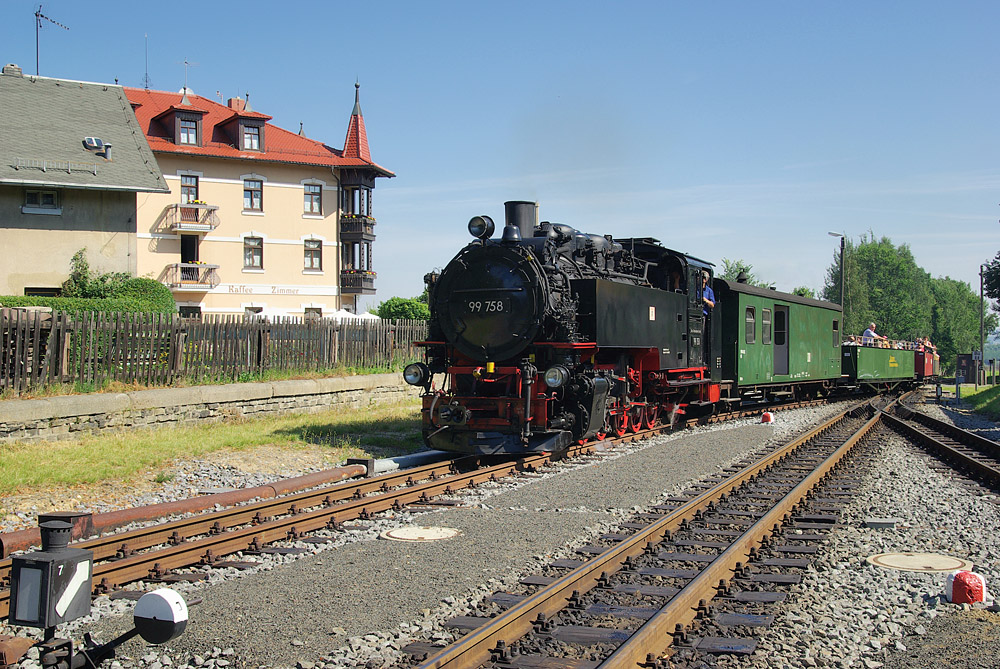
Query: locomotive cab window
(751, 321)
(765, 326)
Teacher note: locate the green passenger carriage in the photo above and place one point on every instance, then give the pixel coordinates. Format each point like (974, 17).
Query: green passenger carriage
(776, 345)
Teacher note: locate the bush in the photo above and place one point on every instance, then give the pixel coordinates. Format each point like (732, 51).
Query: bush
(135, 294)
(70, 304)
(147, 295)
(83, 282)
(404, 308)
(86, 290)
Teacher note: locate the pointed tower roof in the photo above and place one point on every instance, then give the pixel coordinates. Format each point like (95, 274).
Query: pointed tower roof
(356, 144)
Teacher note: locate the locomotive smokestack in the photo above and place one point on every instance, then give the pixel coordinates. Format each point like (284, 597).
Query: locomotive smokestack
(523, 215)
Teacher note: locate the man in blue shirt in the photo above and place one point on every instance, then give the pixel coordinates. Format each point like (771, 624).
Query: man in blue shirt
(707, 295)
(707, 305)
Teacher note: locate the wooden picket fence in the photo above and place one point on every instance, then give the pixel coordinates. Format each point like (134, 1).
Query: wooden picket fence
(39, 348)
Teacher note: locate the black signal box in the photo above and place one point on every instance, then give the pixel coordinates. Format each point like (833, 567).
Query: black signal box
(51, 586)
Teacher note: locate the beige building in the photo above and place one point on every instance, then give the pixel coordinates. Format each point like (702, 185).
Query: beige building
(71, 165)
(257, 219)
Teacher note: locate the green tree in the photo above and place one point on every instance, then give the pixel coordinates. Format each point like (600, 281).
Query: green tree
(731, 270)
(885, 285)
(991, 279)
(804, 291)
(956, 319)
(403, 308)
(79, 275)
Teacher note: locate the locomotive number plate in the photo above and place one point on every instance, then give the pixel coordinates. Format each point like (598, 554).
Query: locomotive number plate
(487, 306)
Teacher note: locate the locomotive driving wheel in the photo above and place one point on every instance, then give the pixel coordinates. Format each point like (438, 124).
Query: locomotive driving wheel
(635, 414)
(649, 416)
(617, 421)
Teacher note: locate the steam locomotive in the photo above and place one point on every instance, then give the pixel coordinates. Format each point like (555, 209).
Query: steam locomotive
(549, 336)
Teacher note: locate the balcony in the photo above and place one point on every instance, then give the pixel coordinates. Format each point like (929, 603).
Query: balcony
(188, 276)
(357, 282)
(191, 217)
(355, 228)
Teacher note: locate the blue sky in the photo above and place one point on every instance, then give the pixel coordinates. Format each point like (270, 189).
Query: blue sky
(725, 129)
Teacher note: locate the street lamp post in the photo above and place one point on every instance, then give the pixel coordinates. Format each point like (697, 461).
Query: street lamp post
(982, 337)
(842, 243)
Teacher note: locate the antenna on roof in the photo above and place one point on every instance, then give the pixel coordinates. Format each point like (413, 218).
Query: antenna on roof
(186, 63)
(145, 78)
(38, 24)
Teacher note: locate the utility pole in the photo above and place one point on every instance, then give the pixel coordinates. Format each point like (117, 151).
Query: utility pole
(982, 334)
(843, 311)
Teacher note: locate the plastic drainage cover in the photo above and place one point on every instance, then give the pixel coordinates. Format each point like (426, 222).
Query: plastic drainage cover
(420, 533)
(928, 562)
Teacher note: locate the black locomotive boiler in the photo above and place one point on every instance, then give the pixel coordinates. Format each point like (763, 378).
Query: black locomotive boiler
(548, 335)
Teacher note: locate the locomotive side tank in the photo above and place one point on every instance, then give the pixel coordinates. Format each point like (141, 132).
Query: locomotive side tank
(549, 335)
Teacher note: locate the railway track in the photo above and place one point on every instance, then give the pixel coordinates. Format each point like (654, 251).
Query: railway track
(634, 600)
(156, 552)
(696, 577)
(963, 450)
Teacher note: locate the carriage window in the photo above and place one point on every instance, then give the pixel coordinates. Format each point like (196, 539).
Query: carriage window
(780, 329)
(765, 326)
(751, 318)
(836, 332)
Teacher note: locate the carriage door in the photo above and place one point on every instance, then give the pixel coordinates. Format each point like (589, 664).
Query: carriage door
(780, 340)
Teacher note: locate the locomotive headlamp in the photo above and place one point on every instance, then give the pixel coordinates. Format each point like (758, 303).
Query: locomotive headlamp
(416, 374)
(556, 377)
(481, 227)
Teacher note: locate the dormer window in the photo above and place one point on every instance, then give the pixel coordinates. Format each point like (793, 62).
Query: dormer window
(251, 138)
(183, 123)
(188, 132)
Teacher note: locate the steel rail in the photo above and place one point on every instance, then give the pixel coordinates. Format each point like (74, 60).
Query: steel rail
(655, 636)
(475, 648)
(114, 573)
(122, 544)
(973, 464)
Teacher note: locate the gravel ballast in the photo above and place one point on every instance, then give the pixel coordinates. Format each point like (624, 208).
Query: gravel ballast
(357, 600)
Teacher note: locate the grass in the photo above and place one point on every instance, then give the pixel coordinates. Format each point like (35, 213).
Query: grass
(985, 401)
(378, 431)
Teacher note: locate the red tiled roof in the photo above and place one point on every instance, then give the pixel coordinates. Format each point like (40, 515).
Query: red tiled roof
(280, 144)
(356, 144)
